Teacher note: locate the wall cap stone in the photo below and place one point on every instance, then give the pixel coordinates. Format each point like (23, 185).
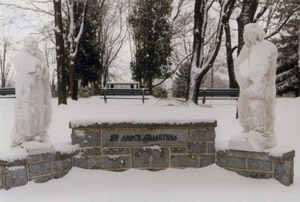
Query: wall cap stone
(101, 124)
(263, 155)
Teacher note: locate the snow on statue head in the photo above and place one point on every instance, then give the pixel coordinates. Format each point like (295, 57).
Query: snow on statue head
(31, 44)
(255, 71)
(33, 109)
(253, 34)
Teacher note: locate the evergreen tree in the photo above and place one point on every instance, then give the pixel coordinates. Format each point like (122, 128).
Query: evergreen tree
(88, 59)
(88, 66)
(152, 35)
(181, 80)
(287, 79)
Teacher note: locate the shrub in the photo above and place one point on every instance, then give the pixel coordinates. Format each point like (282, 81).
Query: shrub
(160, 92)
(179, 87)
(85, 92)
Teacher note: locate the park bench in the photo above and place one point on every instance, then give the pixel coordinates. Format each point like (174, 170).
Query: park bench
(218, 94)
(120, 93)
(7, 93)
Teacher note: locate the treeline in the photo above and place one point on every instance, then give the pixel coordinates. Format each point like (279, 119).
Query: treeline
(166, 36)
(179, 39)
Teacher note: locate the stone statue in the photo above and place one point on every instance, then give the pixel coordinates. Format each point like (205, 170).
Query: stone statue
(255, 73)
(33, 107)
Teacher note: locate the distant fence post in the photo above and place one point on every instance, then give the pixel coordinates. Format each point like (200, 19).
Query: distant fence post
(204, 96)
(105, 99)
(143, 94)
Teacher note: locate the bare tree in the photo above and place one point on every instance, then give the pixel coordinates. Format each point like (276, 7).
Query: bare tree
(201, 64)
(43, 8)
(51, 64)
(60, 54)
(111, 34)
(74, 38)
(182, 32)
(246, 16)
(4, 63)
(252, 12)
(6, 38)
(29, 5)
(229, 58)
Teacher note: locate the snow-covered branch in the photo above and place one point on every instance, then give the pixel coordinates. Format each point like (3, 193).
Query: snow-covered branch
(175, 70)
(73, 37)
(199, 69)
(285, 75)
(26, 8)
(283, 23)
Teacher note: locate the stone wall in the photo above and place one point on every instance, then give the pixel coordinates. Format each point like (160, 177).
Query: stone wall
(144, 146)
(122, 146)
(260, 165)
(37, 167)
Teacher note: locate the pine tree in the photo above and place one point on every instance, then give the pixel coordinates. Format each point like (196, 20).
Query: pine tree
(287, 79)
(181, 80)
(88, 59)
(152, 35)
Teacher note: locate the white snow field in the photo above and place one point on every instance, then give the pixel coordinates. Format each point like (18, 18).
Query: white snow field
(209, 184)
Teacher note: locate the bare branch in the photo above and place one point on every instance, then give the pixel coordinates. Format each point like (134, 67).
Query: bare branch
(35, 9)
(260, 13)
(174, 71)
(283, 23)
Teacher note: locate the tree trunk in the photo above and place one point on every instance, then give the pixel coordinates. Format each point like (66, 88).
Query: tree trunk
(105, 75)
(71, 77)
(74, 38)
(84, 82)
(73, 80)
(246, 16)
(60, 54)
(193, 84)
(150, 85)
(196, 90)
(200, 64)
(3, 65)
(230, 64)
(3, 73)
(298, 94)
(75, 92)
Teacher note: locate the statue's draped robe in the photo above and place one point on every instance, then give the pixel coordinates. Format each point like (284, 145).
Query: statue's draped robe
(256, 73)
(33, 108)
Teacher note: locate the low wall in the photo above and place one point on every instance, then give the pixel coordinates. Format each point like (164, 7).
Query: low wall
(39, 167)
(260, 165)
(154, 146)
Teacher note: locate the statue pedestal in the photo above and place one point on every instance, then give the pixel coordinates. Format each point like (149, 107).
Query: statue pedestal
(250, 141)
(277, 163)
(240, 142)
(35, 161)
(35, 147)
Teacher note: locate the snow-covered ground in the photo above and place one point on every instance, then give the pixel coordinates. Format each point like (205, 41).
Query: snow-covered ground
(211, 183)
